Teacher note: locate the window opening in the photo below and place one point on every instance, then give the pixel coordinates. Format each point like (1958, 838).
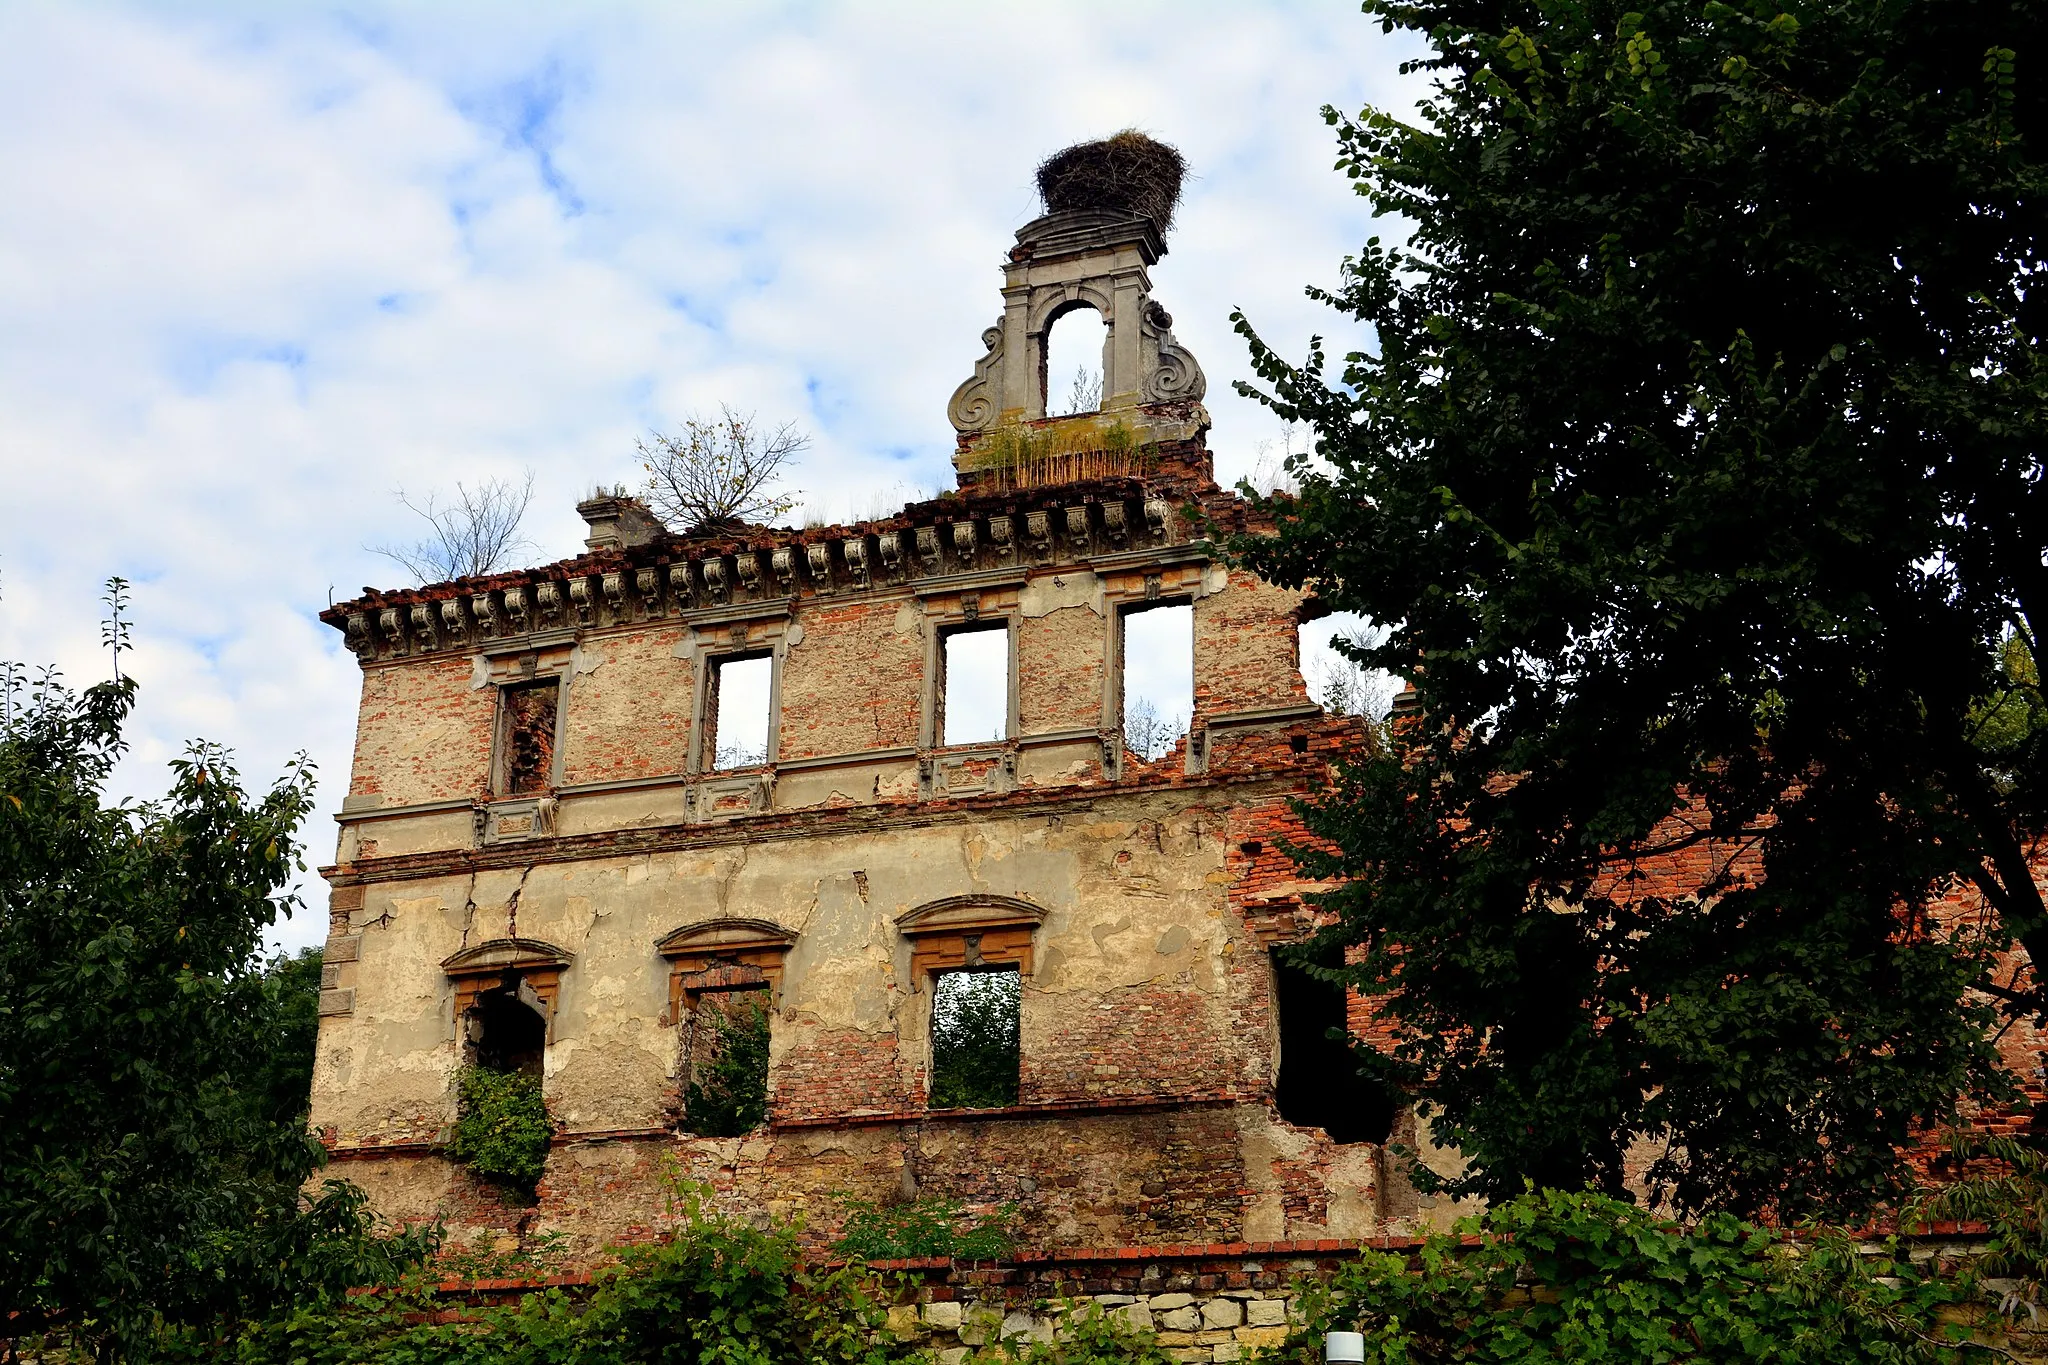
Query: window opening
(1336, 682)
(738, 723)
(529, 710)
(1318, 1085)
(506, 1034)
(975, 1038)
(1073, 363)
(974, 700)
(725, 1063)
(1159, 678)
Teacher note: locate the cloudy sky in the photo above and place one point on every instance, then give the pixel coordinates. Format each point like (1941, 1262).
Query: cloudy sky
(263, 266)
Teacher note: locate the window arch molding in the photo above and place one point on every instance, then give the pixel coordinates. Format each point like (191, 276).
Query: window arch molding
(968, 932)
(723, 954)
(533, 967)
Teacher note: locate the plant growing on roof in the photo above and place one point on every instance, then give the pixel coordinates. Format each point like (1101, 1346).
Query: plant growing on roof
(717, 472)
(473, 534)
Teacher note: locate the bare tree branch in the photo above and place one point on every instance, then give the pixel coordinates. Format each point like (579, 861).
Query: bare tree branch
(476, 533)
(719, 471)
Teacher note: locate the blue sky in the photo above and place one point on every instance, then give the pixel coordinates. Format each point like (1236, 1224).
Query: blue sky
(261, 266)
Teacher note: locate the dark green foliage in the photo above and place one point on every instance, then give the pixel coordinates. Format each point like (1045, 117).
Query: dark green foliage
(152, 1073)
(729, 1096)
(502, 1126)
(1697, 462)
(720, 1292)
(1582, 1278)
(924, 1227)
(975, 1022)
(293, 1026)
(2004, 1188)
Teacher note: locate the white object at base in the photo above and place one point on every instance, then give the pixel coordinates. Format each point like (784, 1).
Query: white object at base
(1339, 1347)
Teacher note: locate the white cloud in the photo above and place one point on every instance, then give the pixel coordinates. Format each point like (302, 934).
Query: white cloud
(260, 267)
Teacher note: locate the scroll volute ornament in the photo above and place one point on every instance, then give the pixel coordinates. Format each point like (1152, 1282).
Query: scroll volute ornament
(969, 932)
(723, 954)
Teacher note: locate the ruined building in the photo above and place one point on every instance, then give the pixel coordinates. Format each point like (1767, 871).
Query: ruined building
(559, 852)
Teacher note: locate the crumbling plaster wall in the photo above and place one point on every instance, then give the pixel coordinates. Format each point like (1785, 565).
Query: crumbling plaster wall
(849, 678)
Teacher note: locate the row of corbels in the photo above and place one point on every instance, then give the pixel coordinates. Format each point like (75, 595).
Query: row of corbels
(825, 566)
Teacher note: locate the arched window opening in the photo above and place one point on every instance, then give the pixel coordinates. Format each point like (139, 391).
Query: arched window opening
(1074, 352)
(1319, 1085)
(505, 1033)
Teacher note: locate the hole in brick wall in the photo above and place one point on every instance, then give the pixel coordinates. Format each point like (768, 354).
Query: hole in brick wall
(1334, 681)
(529, 710)
(974, 701)
(506, 1034)
(725, 1063)
(1073, 363)
(1251, 848)
(1319, 1085)
(976, 1038)
(738, 721)
(1159, 677)
(1298, 743)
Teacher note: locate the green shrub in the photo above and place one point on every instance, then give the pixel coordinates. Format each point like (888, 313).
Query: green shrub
(1584, 1278)
(730, 1096)
(925, 1227)
(502, 1126)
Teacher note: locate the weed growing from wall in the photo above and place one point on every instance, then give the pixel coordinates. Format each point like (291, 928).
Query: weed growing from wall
(924, 1227)
(502, 1127)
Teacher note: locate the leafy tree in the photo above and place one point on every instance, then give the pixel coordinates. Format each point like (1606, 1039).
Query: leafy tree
(975, 1021)
(1696, 458)
(924, 1227)
(152, 1136)
(718, 472)
(290, 1028)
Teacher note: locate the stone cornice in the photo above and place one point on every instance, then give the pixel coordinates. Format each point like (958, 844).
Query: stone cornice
(705, 579)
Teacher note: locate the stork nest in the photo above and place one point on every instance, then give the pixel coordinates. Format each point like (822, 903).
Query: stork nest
(1129, 171)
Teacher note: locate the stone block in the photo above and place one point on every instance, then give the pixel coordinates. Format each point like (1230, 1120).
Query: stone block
(954, 1355)
(1222, 1313)
(902, 1321)
(1166, 1303)
(1229, 1351)
(943, 1317)
(1114, 1300)
(1137, 1315)
(1266, 1312)
(1181, 1320)
(1192, 1354)
(1017, 1324)
(1260, 1338)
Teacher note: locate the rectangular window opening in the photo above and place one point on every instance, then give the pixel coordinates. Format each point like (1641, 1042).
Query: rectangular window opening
(529, 744)
(737, 726)
(725, 1063)
(974, 696)
(1159, 678)
(1319, 1085)
(976, 1038)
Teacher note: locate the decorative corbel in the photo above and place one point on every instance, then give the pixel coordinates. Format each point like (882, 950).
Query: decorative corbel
(782, 563)
(749, 565)
(550, 597)
(1077, 527)
(679, 584)
(928, 547)
(964, 542)
(452, 622)
(580, 598)
(1000, 531)
(1113, 521)
(820, 556)
(1156, 512)
(855, 552)
(647, 583)
(490, 619)
(970, 606)
(714, 581)
(518, 610)
(1037, 532)
(423, 628)
(890, 543)
(392, 622)
(614, 586)
(360, 642)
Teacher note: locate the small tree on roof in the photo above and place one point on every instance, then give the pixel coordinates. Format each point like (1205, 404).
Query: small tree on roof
(718, 472)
